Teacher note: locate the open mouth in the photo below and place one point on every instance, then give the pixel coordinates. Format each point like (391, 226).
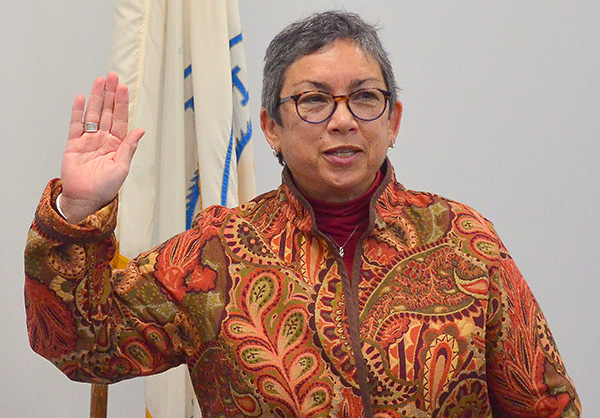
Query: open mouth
(342, 152)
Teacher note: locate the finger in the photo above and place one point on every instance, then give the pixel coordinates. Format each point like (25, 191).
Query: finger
(106, 117)
(121, 112)
(75, 125)
(94, 106)
(125, 152)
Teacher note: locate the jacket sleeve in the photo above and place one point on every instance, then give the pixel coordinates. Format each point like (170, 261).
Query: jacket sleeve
(95, 323)
(526, 376)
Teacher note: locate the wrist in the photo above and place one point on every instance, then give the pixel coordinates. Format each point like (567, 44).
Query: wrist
(58, 208)
(74, 211)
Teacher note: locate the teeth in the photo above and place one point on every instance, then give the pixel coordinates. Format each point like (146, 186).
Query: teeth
(343, 153)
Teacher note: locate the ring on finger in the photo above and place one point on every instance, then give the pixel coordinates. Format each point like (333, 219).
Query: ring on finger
(90, 127)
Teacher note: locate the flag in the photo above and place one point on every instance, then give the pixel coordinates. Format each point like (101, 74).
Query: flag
(184, 64)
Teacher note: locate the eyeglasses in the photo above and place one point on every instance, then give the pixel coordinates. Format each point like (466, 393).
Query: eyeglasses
(317, 106)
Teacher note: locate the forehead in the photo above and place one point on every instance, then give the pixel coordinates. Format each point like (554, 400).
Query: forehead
(342, 61)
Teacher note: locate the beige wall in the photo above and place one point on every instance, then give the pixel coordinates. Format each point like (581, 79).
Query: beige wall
(501, 111)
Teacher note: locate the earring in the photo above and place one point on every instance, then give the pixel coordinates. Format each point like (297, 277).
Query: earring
(274, 151)
(392, 144)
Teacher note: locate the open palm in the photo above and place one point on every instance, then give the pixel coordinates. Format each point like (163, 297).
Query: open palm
(95, 164)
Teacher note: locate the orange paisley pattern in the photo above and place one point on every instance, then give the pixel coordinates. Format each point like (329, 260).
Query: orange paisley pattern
(434, 321)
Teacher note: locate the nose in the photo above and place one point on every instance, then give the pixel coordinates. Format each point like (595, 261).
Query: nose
(342, 119)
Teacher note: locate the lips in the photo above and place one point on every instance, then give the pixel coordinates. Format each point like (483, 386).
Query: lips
(343, 156)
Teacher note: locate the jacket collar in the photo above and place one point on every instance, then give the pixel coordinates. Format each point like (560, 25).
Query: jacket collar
(298, 211)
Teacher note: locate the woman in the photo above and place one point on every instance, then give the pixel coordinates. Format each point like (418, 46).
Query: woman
(341, 293)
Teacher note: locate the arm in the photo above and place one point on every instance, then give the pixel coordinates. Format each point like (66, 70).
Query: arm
(526, 376)
(82, 315)
(76, 316)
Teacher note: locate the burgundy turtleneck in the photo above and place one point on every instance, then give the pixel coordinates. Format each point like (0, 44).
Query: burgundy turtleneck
(345, 222)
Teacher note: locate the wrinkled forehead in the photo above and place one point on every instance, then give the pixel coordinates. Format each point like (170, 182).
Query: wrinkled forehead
(318, 54)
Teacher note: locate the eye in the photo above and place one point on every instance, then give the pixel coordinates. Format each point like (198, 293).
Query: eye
(369, 96)
(314, 99)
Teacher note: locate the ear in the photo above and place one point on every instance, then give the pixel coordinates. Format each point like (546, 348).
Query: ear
(394, 126)
(271, 130)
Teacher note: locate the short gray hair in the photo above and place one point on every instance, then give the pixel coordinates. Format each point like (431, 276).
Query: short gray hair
(309, 35)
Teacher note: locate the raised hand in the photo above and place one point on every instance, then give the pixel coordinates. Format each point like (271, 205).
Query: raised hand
(95, 164)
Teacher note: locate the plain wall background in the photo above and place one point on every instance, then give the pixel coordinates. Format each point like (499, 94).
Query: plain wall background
(501, 111)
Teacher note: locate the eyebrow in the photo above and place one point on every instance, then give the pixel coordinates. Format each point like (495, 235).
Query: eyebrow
(355, 84)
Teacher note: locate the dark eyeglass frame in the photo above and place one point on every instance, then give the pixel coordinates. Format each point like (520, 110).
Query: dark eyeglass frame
(336, 99)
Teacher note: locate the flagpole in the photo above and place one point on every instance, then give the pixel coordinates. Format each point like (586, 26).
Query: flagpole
(99, 400)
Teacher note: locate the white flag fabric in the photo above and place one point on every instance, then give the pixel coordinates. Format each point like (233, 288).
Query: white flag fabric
(184, 64)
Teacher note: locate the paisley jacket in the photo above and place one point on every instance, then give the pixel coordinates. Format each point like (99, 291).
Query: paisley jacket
(434, 320)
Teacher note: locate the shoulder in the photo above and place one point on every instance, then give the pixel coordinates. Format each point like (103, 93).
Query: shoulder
(395, 196)
(461, 215)
(217, 214)
(441, 218)
(472, 232)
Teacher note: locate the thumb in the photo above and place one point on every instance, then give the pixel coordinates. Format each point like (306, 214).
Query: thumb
(127, 148)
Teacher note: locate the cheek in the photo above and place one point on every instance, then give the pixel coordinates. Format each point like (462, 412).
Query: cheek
(379, 139)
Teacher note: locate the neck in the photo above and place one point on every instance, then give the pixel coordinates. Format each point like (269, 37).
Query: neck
(344, 223)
